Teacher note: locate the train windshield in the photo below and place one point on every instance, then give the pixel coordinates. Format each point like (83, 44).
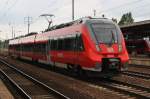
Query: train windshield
(105, 32)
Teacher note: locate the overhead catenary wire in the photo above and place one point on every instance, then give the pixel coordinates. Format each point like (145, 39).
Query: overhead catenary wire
(107, 10)
(120, 6)
(135, 9)
(5, 5)
(132, 10)
(8, 9)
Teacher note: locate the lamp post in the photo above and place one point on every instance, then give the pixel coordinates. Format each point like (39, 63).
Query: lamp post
(28, 20)
(12, 29)
(72, 9)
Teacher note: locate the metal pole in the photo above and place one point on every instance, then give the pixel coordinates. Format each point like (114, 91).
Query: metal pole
(12, 31)
(94, 12)
(28, 20)
(28, 24)
(72, 9)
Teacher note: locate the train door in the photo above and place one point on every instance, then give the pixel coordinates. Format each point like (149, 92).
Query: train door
(78, 49)
(48, 47)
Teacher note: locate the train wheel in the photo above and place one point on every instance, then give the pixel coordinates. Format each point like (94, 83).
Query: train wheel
(53, 66)
(80, 71)
(69, 67)
(76, 69)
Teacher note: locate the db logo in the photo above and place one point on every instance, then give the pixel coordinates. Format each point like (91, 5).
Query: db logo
(110, 49)
(60, 55)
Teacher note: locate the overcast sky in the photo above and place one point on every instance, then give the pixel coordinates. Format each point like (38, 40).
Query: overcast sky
(12, 12)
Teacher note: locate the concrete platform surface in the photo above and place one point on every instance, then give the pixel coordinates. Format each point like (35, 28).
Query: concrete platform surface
(4, 92)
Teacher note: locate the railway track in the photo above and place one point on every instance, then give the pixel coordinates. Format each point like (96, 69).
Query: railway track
(28, 87)
(125, 88)
(140, 66)
(137, 74)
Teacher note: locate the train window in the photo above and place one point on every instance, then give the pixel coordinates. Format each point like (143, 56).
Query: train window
(22, 47)
(43, 48)
(26, 47)
(105, 33)
(53, 44)
(66, 43)
(63, 44)
(80, 46)
(35, 48)
(40, 48)
(18, 47)
(60, 44)
(49, 44)
(69, 43)
(73, 43)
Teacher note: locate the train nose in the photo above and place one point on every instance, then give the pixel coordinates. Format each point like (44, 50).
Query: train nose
(110, 64)
(109, 50)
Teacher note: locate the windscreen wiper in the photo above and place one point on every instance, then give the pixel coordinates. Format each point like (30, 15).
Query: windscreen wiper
(112, 38)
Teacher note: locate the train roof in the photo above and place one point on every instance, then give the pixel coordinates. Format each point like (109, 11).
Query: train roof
(59, 30)
(13, 41)
(68, 31)
(27, 39)
(80, 21)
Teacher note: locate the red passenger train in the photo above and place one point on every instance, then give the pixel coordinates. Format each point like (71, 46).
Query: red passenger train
(138, 46)
(85, 44)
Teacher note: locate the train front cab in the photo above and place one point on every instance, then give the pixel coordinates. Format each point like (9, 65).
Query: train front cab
(106, 46)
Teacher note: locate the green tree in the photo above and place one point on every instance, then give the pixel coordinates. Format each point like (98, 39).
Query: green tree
(126, 19)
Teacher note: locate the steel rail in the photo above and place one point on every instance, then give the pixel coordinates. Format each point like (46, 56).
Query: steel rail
(35, 80)
(17, 87)
(137, 74)
(125, 89)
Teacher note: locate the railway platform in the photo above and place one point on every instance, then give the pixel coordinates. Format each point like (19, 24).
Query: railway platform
(4, 92)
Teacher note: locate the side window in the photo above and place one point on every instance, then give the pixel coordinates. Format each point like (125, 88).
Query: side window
(43, 48)
(49, 44)
(53, 45)
(24, 48)
(66, 44)
(36, 48)
(39, 48)
(69, 44)
(60, 44)
(80, 45)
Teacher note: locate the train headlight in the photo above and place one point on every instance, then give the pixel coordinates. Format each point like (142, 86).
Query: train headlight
(97, 48)
(120, 47)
